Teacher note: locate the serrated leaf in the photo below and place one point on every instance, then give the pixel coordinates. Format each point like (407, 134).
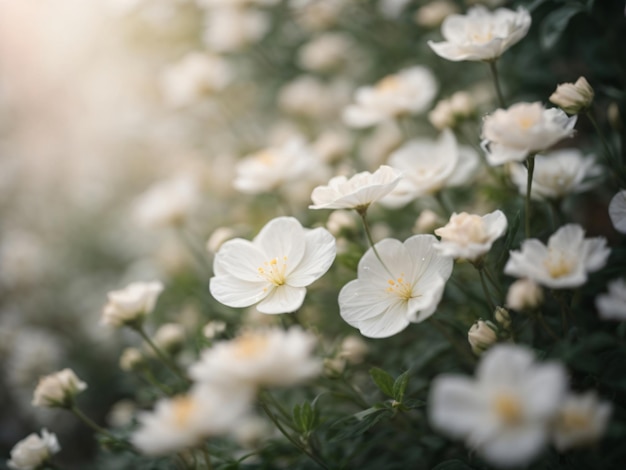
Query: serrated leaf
(399, 386)
(383, 380)
(556, 22)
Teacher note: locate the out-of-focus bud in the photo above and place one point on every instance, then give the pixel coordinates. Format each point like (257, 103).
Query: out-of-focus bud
(58, 389)
(524, 294)
(130, 359)
(219, 236)
(462, 104)
(481, 336)
(442, 116)
(334, 366)
(502, 317)
(340, 220)
(170, 337)
(426, 222)
(353, 349)
(213, 328)
(432, 14)
(573, 97)
(613, 116)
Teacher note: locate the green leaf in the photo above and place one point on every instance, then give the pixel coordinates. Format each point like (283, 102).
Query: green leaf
(360, 422)
(399, 386)
(511, 234)
(556, 22)
(297, 417)
(305, 417)
(452, 465)
(383, 380)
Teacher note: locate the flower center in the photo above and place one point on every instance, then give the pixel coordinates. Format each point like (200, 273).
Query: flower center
(526, 122)
(183, 408)
(508, 408)
(481, 37)
(274, 271)
(400, 288)
(573, 420)
(389, 84)
(558, 264)
(249, 345)
(266, 158)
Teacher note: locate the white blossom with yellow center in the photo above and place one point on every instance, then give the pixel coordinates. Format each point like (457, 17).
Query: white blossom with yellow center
(470, 236)
(581, 421)
(481, 34)
(510, 135)
(269, 357)
(563, 263)
(384, 300)
(274, 269)
(410, 91)
(505, 413)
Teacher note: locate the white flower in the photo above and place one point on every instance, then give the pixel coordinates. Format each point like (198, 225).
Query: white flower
(332, 145)
(428, 166)
(308, 96)
(187, 420)
(409, 91)
(194, 76)
(504, 413)
(131, 304)
(353, 349)
(426, 222)
(381, 303)
(448, 112)
(325, 52)
(274, 269)
(481, 34)
(218, 237)
(213, 328)
(582, 420)
(557, 174)
(58, 389)
(31, 452)
(573, 97)
(130, 359)
(270, 357)
(229, 29)
(617, 211)
(522, 129)
(169, 336)
(274, 167)
(341, 221)
(563, 263)
(481, 336)
(469, 236)
(612, 306)
(524, 294)
(167, 203)
(433, 13)
(358, 192)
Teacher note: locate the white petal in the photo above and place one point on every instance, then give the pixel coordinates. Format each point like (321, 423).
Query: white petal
(283, 299)
(617, 211)
(360, 300)
(427, 261)
(239, 258)
(280, 238)
(545, 386)
(596, 253)
(513, 446)
(389, 323)
(319, 254)
(234, 292)
(504, 363)
(455, 405)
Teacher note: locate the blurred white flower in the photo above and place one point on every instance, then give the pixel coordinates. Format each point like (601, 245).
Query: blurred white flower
(131, 304)
(187, 420)
(230, 28)
(573, 97)
(524, 294)
(557, 174)
(325, 52)
(481, 336)
(218, 237)
(274, 269)
(169, 336)
(426, 222)
(58, 389)
(341, 220)
(381, 303)
(308, 96)
(617, 211)
(353, 349)
(505, 412)
(121, 413)
(523, 129)
(269, 357)
(23, 258)
(433, 13)
(448, 112)
(235, 3)
(563, 263)
(612, 306)
(428, 166)
(333, 144)
(392, 8)
(468, 236)
(33, 451)
(130, 359)
(213, 328)
(167, 203)
(376, 147)
(315, 15)
(407, 92)
(274, 167)
(581, 421)
(481, 34)
(358, 192)
(195, 76)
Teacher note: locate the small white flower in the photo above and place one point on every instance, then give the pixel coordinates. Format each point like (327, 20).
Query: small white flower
(167, 203)
(353, 349)
(522, 129)
(358, 192)
(274, 269)
(169, 336)
(428, 166)
(481, 34)
(563, 263)
(230, 29)
(131, 304)
(617, 211)
(448, 112)
(310, 97)
(524, 294)
(557, 174)
(505, 412)
(130, 359)
(213, 328)
(468, 236)
(58, 389)
(582, 420)
(340, 221)
(269, 357)
(426, 222)
(31, 452)
(187, 420)
(573, 97)
(325, 52)
(381, 303)
(409, 91)
(612, 306)
(432, 14)
(481, 336)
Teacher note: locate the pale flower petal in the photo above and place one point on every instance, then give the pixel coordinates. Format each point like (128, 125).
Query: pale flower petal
(617, 211)
(282, 299)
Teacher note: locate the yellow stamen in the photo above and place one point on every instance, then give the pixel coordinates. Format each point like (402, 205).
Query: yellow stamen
(183, 407)
(508, 408)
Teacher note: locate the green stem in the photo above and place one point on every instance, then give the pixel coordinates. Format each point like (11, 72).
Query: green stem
(483, 283)
(529, 183)
(368, 234)
(496, 81)
(546, 327)
(149, 377)
(160, 354)
(608, 154)
(445, 207)
(99, 429)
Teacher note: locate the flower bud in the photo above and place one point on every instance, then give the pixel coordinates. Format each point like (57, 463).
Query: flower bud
(462, 104)
(481, 336)
(503, 317)
(33, 451)
(524, 294)
(169, 336)
(130, 305)
(213, 328)
(340, 221)
(426, 222)
(442, 116)
(130, 359)
(573, 97)
(353, 349)
(58, 389)
(334, 367)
